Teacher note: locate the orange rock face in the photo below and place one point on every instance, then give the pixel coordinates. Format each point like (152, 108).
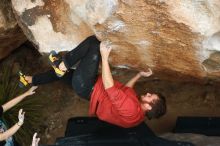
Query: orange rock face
(11, 36)
(175, 38)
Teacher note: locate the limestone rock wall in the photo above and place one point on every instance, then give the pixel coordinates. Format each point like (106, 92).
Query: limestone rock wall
(11, 36)
(173, 37)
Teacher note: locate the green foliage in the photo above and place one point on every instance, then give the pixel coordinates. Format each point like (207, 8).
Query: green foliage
(32, 106)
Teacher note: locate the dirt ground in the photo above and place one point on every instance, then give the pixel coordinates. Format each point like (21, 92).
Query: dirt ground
(61, 103)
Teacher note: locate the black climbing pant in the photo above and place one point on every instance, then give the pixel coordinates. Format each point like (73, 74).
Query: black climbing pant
(83, 78)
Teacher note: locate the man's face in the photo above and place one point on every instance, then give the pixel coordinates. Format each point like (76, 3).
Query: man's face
(148, 99)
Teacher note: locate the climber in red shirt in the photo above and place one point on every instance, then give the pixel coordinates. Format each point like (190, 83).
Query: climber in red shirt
(110, 100)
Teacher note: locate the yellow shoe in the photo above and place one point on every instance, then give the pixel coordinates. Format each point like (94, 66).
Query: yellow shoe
(22, 81)
(55, 60)
(58, 72)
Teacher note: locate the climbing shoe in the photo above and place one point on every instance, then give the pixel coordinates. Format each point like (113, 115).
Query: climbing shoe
(22, 81)
(55, 60)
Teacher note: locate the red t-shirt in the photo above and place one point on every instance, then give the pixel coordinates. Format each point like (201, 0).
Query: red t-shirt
(118, 105)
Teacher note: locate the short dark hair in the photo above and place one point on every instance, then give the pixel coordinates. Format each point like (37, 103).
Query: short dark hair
(159, 108)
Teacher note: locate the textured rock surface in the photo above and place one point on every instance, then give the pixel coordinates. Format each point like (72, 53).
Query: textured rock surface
(174, 37)
(198, 140)
(11, 36)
